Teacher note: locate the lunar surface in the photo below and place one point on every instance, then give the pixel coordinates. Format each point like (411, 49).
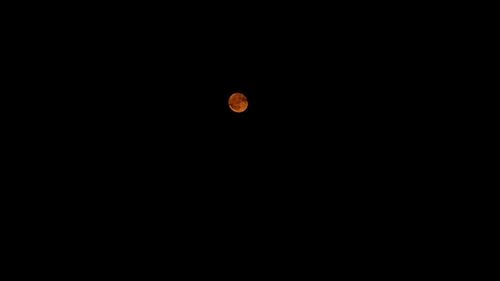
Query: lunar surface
(238, 102)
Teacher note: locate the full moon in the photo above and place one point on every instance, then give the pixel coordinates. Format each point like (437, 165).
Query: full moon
(238, 102)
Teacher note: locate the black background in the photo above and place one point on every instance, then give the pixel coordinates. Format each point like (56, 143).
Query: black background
(125, 142)
(130, 110)
(343, 92)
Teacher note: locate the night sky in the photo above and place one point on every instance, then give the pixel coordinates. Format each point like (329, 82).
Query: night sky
(128, 128)
(139, 90)
(305, 73)
(335, 99)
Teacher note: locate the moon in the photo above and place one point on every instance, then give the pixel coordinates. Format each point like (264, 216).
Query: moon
(238, 102)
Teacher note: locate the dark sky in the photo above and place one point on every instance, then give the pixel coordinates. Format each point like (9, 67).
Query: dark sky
(147, 94)
(128, 122)
(126, 136)
(301, 67)
(319, 84)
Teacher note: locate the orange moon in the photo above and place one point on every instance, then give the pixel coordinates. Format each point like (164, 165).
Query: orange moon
(238, 102)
